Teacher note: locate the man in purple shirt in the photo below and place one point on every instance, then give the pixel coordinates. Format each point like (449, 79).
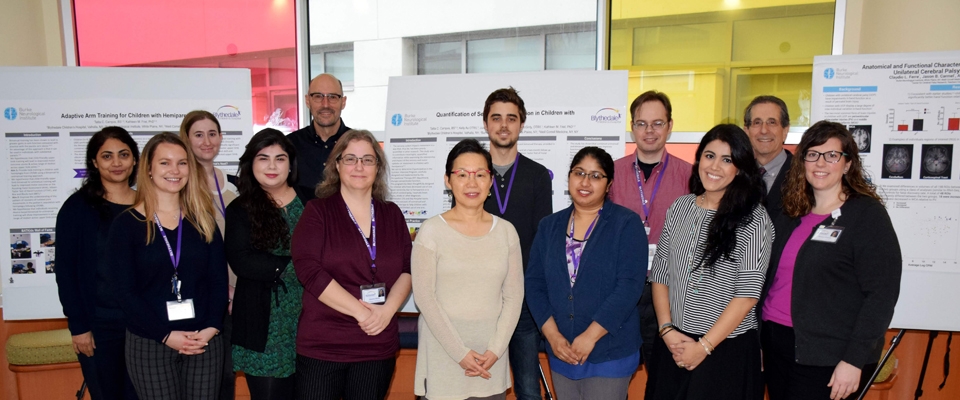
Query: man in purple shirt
(648, 182)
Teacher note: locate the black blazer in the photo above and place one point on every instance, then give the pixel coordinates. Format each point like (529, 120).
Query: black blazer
(843, 293)
(774, 200)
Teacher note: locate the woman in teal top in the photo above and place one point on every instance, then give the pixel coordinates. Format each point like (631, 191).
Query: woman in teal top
(257, 239)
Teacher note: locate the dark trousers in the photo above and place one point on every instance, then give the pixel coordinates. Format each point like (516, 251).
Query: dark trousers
(106, 373)
(331, 380)
(159, 372)
(788, 380)
(649, 331)
(525, 357)
(270, 388)
(228, 380)
(732, 372)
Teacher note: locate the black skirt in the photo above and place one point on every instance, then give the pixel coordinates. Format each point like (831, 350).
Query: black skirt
(731, 372)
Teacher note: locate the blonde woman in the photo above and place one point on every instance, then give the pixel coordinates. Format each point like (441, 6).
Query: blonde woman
(171, 276)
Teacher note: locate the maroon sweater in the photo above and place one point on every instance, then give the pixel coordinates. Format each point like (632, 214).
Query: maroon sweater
(326, 246)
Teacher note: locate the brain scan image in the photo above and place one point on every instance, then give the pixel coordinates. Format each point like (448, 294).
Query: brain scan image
(897, 161)
(861, 134)
(936, 161)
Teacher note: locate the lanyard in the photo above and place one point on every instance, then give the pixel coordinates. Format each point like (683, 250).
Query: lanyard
(502, 205)
(656, 187)
(373, 237)
(573, 246)
(223, 206)
(174, 257)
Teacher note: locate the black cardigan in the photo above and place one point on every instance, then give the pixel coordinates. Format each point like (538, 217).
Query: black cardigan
(258, 273)
(844, 293)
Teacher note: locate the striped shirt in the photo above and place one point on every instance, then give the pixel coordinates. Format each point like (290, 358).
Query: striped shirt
(699, 295)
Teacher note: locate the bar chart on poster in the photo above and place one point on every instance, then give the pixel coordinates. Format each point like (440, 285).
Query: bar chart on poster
(903, 110)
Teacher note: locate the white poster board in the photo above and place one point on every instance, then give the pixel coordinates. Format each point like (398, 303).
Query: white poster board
(49, 115)
(904, 112)
(429, 114)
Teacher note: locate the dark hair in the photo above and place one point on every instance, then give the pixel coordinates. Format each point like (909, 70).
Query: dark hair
(603, 158)
(267, 225)
(467, 146)
(740, 198)
(651, 95)
(798, 197)
(506, 95)
(784, 115)
(92, 188)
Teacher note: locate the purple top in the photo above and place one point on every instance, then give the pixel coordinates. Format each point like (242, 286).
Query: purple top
(776, 308)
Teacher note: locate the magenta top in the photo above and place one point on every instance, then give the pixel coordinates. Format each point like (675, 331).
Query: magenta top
(776, 308)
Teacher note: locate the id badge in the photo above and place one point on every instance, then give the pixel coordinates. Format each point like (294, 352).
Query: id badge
(647, 228)
(827, 234)
(651, 253)
(374, 294)
(177, 310)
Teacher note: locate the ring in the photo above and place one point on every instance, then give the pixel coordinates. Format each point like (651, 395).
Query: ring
(680, 364)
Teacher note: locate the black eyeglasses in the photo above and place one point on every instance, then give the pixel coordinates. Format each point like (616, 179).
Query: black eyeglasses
(593, 176)
(832, 156)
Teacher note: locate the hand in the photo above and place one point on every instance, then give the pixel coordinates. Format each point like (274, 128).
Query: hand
(363, 314)
(673, 339)
(380, 316)
(230, 290)
(183, 343)
(690, 355)
(472, 365)
(83, 343)
(844, 381)
(561, 349)
(489, 359)
(582, 346)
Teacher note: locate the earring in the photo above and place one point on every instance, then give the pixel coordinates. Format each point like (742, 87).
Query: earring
(489, 194)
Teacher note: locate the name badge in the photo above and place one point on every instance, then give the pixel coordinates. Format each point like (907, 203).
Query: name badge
(177, 310)
(374, 294)
(647, 228)
(651, 253)
(827, 234)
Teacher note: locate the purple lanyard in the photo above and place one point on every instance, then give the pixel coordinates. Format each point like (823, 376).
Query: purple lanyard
(223, 206)
(174, 257)
(373, 237)
(573, 246)
(502, 205)
(656, 187)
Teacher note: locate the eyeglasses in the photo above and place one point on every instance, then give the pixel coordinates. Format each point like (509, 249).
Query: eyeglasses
(832, 157)
(350, 159)
(594, 176)
(656, 125)
(332, 97)
(464, 174)
(771, 123)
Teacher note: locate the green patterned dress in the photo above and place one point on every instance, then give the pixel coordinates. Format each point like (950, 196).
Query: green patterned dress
(279, 358)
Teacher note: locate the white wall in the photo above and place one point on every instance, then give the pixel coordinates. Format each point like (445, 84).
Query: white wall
(30, 30)
(901, 26)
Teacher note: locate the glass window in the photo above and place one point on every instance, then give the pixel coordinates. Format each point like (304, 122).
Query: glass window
(440, 58)
(512, 54)
(577, 50)
(340, 64)
(316, 64)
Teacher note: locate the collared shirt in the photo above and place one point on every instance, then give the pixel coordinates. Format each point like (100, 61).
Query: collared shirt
(773, 168)
(625, 192)
(312, 155)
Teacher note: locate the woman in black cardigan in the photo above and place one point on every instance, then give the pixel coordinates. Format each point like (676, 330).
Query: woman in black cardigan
(267, 299)
(834, 277)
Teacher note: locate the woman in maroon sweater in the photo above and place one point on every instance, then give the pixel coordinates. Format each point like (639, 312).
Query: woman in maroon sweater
(351, 250)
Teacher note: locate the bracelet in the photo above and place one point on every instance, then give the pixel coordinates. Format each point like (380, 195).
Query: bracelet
(704, 337)
(704, 347)
(164, 341)
(666, 330)
(666, 325)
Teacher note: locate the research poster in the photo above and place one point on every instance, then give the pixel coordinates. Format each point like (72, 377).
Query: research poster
(49, 115)
(904, 113)
(428, 115)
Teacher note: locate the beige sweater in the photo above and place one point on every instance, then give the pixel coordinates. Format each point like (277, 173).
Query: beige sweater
(469, 291)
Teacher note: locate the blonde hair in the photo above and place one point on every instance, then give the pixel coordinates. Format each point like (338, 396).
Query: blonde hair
(195, 201)
(331, 176)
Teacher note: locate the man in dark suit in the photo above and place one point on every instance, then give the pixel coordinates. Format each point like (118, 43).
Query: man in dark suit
(767, 122)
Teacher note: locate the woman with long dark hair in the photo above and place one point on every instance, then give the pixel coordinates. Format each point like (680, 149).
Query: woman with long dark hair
(834, 277)
(707, 275)
(83, 279)
(267, 300)
(171, 277)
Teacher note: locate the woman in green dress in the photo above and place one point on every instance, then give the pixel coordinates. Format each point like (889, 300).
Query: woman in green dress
(257, 240)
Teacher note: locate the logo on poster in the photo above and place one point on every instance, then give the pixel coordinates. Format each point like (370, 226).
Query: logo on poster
(396, 120)
(227, 112)
(828, 73)
(607, 116)
(10, 113)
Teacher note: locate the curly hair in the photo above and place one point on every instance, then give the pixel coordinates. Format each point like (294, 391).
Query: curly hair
(797, 193)
(267, 225)
(740, 197)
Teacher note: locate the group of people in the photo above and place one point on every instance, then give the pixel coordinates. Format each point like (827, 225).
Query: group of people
(294, 269)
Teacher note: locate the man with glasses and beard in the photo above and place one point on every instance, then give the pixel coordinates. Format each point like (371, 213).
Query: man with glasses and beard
(326, 101)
